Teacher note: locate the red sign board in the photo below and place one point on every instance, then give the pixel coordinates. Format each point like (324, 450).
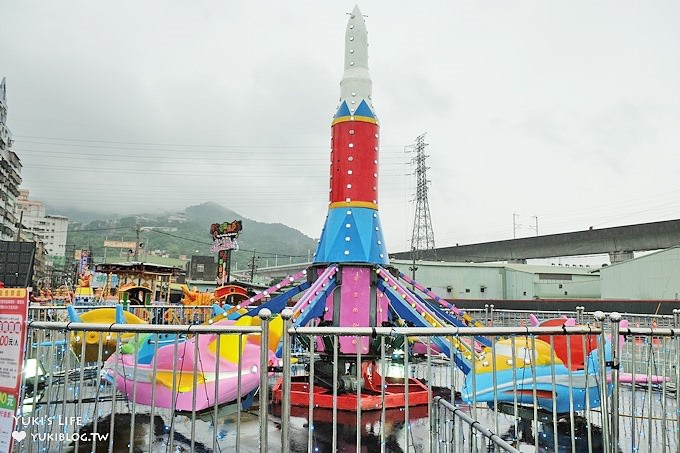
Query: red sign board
(13, 314)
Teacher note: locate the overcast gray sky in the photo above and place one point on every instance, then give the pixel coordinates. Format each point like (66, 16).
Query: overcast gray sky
(568, 111)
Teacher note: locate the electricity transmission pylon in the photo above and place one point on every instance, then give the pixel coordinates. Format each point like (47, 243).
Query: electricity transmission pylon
(422, 239)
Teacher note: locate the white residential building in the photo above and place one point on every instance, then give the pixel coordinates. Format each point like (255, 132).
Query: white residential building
(10, 173)
(52, 229)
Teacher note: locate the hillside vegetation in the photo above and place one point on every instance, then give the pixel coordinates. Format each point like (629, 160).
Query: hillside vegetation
(167, 235)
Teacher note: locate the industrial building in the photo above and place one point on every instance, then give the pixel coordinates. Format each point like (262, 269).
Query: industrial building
(655, 276)
(494, 281)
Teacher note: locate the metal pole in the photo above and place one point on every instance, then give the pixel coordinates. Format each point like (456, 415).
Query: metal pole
(252, 268)
(137, 230)
(286, 314)
(676, 347)
(21, 224)
(334, 441)
(407, 425)
(615, 319)
(310, 414)
(413, 267)
(265, 316)
(227, 275)
(599, 318)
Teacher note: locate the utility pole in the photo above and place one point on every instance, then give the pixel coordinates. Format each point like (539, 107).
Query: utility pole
(413, 268)
(137, 231)
(536, 227)
(515, 225)
(422, 238)
(227, 264)
(21, 223)
(252, 268)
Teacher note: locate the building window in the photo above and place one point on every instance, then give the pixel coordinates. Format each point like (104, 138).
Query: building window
(200, 268)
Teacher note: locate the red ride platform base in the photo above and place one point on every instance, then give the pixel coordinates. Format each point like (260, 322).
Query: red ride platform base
(370, 398)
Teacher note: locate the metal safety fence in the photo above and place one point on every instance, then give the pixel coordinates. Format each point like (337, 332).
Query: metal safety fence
(141, 387)
(623, 409)
(455, 430)
(146, 387)
(173, 314)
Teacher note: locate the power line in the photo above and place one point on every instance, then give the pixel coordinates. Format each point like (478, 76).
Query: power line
(177, 145)
(73, 230)
(210, 243)
(183, 145)
(176, 236)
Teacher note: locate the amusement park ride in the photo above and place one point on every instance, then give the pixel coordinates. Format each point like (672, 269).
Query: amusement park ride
(350, 284)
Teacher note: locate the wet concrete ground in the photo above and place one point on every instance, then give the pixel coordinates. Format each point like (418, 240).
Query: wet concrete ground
(369, 438)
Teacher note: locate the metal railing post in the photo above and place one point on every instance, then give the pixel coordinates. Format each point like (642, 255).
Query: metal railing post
(265, 315)
(615, 319)
(474, 428)
(579, 314)
(675, 342)
(286, 314)
(604, 393)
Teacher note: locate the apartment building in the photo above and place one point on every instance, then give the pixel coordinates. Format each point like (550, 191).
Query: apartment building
(10, 174)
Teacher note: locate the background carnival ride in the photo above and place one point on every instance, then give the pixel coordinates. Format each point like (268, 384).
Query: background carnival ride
(351, 284)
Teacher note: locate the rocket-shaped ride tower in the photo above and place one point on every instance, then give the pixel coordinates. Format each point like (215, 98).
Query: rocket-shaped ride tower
(352, 237)
(352, 233)
(350, 283)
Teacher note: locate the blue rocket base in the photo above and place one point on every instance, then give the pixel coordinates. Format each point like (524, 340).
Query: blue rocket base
(352, 235)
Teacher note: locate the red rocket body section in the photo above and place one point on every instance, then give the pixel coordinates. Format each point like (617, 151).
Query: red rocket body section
(354, 163)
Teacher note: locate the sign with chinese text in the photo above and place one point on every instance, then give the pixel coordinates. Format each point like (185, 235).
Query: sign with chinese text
(13, 314)
(224, 240)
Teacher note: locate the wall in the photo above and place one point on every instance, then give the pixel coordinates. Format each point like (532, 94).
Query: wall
(503, 281)
(655, 276)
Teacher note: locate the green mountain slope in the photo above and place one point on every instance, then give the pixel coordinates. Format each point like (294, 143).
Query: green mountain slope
(170, 235)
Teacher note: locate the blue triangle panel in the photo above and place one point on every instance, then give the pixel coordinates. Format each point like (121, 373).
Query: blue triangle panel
(364, 110)
(343, 110)
(352, 235)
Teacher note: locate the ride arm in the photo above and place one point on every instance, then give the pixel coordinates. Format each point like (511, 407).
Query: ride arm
(315, 308)
(407, 312)
(282, 284)
(278, 303)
